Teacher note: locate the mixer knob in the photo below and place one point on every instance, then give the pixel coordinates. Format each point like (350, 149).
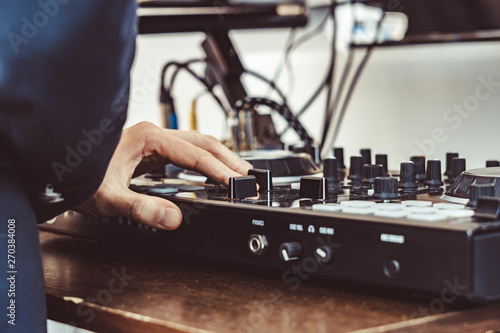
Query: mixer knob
(339, 155)
(290, 251)
(457, 167)
(324, 255)
(407, 181)
(433, 179)
(242, 187)
(449, 159)
(367, 155)
(419, 162)
(356, 169)
(330, 171)
(313, 187)
(386, 188)
(382, 160)
(370, 172)
(492, 163)
(263, 177)
(480, 190)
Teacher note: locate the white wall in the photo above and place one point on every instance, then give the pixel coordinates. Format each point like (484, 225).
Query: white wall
(403, 103)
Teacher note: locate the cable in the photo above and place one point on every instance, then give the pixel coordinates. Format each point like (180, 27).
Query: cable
(165, 93)
(250, 104)
(356, 77)
(331, 67)
(331, 109)
(271, 84)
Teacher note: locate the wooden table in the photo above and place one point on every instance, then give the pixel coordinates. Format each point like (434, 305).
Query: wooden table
(121, 289)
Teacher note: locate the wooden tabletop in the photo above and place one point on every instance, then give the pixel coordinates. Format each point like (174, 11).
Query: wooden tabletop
(118, 288)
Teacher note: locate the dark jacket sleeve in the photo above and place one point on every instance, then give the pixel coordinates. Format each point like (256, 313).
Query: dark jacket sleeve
(64, 81)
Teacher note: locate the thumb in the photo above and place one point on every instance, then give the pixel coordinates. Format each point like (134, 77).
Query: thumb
(153, 211)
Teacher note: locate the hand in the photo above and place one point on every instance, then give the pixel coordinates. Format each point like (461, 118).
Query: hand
(145, 147)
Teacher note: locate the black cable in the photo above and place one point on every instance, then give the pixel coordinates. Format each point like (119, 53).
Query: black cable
(271, 84)
(331, 109)
(331, 68)
(251, 103)
(279, 69)
(357, 75)
(165, 93)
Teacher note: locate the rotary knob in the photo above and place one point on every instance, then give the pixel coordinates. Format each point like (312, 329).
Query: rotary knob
(324, 255)
(449, 159)
(370, 172)
(457, 167)
(290, 251)
(386, 188)
(356, 169)
(433, 177)
(330, 171)
(492, 163)
(382, 160)
(366, 154)
(407, 181)
(419, 162)
(339, 155)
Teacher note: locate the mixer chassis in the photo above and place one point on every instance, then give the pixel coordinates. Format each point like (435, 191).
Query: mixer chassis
(417, 242)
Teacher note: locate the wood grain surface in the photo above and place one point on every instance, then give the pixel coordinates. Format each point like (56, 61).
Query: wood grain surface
(118, 288)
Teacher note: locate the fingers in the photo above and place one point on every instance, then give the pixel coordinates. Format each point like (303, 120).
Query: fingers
(216, 148)
(187, 155)
(149, 210)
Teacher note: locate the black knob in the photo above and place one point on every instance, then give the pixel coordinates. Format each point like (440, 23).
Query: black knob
(356, 169)
(419, 162)
(457, 167)
(290, 251)
(324, 255)
(407, 181)
(492, 163)
(370, 172)
(449, 158)
(382, 160)
(339, 155)
(330, 171)
(479, 190)
(386, 188)
(313, 188)
(242, 187)
(367, 155)
(433, 179)
(263, 177)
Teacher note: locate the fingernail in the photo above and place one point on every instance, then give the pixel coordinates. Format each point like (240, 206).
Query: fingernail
(169, 218)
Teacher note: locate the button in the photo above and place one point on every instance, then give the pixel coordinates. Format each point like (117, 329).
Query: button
(329, 207)
(359, 211)
(417, 203)
(451, 213)
(392, 268)
(358, 204)
(163, 190)
(290, 251)
(421, 210)
(389, 206)
(391, 213)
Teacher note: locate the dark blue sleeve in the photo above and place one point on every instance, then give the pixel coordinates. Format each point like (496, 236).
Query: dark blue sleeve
(64, 81)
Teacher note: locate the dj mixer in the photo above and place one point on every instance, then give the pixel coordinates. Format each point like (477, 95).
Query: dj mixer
(418, 229)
